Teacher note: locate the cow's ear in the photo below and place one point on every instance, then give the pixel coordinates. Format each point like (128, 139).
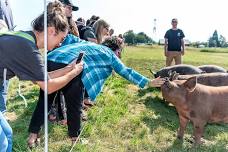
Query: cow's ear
(190, 84)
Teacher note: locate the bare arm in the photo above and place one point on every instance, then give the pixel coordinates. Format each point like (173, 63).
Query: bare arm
(183, 46)
(92, 40)
(166, 47)
(60, 72)
(57, 83)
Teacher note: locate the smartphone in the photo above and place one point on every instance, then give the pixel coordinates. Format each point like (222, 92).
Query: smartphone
(80, 56)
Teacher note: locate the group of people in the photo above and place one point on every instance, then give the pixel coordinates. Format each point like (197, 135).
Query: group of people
(20, 56)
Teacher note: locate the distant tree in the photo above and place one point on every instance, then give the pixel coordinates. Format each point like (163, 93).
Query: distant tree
(130, 37)
(140, 38)
(143, 38)
(195, 44)
(222, 41)
(211, 42)
(226, 45)
(214, 40)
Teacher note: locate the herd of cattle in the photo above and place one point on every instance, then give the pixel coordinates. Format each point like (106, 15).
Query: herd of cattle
(199, 94)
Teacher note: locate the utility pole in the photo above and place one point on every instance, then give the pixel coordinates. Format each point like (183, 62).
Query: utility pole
(155, 30)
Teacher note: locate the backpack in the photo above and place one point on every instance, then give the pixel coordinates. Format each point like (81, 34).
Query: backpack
(18, 33)
(82, 29)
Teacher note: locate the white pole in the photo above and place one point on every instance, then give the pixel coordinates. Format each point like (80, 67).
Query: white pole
(45, 79)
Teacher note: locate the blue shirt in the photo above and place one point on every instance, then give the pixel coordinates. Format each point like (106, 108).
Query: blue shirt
(99, 61)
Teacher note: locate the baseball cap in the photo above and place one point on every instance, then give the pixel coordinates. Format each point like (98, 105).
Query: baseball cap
(69, 2)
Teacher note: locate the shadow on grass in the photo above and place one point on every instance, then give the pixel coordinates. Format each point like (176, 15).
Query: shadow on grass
(143, 92)
(166, 116)
(178, 146)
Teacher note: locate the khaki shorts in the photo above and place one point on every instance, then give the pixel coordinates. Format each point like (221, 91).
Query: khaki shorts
(173, 55)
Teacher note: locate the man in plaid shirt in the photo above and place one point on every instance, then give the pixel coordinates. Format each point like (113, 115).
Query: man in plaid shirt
(99, 61)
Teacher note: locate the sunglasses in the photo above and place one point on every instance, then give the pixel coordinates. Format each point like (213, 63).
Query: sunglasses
(107, 28)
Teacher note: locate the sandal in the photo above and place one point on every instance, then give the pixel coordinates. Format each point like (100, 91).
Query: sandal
(63, 122)
(74, 139)
(33, 140)
(87, 102)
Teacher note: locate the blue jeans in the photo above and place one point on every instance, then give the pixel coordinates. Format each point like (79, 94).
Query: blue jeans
(6, 135)
(3, 95)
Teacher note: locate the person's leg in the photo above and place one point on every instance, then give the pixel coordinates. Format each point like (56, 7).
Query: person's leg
(86, 96)
(87, 102)
(5, 133)
(60, 101)
(38, 115)
(3, 96)
(178, 58)
(169, 58)
(53, 112)
(37, 119)
(73, 93)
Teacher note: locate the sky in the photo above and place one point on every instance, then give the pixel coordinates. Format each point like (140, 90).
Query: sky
(197, 18)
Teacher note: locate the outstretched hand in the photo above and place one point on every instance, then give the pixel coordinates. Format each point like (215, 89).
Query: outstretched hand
(157, 82)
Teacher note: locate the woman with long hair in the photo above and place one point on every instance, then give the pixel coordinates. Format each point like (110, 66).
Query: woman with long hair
(101, 29)
(20, 57)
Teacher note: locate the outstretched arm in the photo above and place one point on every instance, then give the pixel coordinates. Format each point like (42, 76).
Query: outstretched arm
(133, 76)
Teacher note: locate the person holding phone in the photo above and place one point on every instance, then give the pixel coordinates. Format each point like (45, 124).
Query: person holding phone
(18, 46)
(99, 61)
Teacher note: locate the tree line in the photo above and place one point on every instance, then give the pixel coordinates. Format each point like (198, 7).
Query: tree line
(217, 40)
(132, 38)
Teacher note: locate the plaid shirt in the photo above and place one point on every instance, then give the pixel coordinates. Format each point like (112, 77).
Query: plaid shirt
(99, 61)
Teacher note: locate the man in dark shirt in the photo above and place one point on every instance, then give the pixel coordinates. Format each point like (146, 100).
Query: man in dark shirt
(174, 44)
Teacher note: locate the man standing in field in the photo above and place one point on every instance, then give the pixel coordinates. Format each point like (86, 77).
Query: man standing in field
(174, 44)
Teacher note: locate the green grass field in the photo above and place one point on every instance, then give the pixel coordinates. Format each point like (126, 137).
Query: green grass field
(125, 117)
